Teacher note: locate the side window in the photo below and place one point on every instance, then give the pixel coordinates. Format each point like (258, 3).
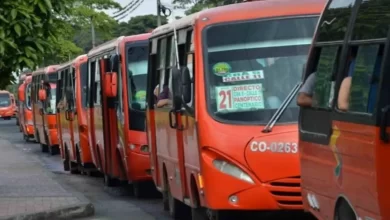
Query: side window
(97, 86)
(325, 70)
(335, 19)
(73, 86)
(364, 79)
(367, 26)
(164, 69)
(120, 88)
(190, 62)
(90, 83)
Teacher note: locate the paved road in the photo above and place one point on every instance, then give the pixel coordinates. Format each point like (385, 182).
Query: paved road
(110, 203)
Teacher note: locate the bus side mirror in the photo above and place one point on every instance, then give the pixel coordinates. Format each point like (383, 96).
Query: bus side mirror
(21, 95)
(42, 95)
(110, 86)
(176, 88)
(186, 85)
(114, 63)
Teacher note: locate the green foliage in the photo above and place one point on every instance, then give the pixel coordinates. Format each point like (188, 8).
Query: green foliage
(25, 27)
(138, 25)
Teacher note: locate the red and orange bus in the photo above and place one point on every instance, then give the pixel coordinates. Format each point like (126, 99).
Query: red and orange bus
(14, 107)
(117, 117)
(222, 129)
(19, 106)
(7, 105)
(25, 110)
(43, 107)
(344, 131)
(72, 115)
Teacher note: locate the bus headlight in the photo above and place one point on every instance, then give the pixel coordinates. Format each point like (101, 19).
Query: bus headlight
(232, 170)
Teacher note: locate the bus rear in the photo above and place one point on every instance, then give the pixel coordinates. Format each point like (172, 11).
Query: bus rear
(25, 112)
(235, 122)
(7, 103)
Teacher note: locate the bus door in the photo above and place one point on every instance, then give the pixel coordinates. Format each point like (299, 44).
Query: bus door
(72, 116)
(112, 158)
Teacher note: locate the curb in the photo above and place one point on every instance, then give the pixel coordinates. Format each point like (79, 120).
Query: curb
(67, 212)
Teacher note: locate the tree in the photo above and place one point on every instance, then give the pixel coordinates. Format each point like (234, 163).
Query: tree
(25, 27)
(138, 25)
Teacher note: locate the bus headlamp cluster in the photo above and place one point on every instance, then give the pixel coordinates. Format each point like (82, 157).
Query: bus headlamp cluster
(232, 170)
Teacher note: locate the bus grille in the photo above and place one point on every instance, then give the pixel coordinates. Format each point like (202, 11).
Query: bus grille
(287, 192)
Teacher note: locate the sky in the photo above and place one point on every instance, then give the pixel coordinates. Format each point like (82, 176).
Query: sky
(148, 7)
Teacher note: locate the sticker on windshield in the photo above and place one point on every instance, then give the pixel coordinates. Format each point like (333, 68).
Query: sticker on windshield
(140, 96)
(239, 98)
(242, 76)
(221, 69)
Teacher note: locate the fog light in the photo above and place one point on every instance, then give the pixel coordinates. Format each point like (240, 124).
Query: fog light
(233, 199)
(132, 146)
(144, 148)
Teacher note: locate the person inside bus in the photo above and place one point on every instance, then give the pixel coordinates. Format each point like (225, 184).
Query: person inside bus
(163, 97)
(305, 94)
(345, 87)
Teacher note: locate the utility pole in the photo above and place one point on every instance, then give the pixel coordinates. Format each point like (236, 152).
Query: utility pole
(158, 13)
(93, 33)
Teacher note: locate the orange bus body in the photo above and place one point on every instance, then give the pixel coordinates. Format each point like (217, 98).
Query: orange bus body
(344, 150)
(72, 116)
(19, 106)
(45, 121)
(189, 161)
(25, 111)
(116, 148)
(7, 105)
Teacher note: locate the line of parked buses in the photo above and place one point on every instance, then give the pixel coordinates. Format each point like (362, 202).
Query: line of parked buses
(205, 108)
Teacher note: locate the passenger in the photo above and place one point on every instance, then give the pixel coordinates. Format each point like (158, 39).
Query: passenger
(305, 94)
(162, 98)
(345, 87)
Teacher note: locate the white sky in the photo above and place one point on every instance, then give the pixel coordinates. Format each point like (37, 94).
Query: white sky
(148, 7)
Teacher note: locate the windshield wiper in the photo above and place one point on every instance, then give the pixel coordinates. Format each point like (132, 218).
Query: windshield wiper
(279, 112)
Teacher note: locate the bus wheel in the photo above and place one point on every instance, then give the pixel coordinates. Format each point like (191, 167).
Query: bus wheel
(54, 150)
(344, 211)
(108, 181)
(199, 213)
(44, 148)
(176, 208)
(66, 160)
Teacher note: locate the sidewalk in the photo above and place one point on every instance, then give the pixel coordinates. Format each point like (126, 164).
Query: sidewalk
(28, 191)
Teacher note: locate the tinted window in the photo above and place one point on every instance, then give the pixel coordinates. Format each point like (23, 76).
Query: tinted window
(137, 68)
(5, 100)
(52, 77)
(250, 71)
(334, 22)
(372, 21)
(365, 79)
(84, 83)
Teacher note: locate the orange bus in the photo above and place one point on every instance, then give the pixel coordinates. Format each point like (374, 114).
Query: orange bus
(25, 110)
(43, 107)
(72, 116)
(19, 106)
(344, 139)
(117, 118)
(7, 105)
(226, 116)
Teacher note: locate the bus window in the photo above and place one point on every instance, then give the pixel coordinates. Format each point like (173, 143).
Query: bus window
(367, 26)
(335, 21)
(137, 65)
(325, 67)
(164, 96)
(97, 86)
(5, 100)
(359, 88)
(250, 61)
(84, 83)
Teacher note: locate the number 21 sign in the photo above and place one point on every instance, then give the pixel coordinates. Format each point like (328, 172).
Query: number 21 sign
(240, 97)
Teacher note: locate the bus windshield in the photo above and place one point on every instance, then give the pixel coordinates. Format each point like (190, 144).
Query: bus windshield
(137, 68)
(28, 96)
(5, 100)
(50, 103)
(252, 69)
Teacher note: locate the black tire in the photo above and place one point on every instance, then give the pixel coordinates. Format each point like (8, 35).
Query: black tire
(44, 148)
(54, 150)
(108, 181)
(177, 209)
(344, 212)
(66, 160)
(199, 213)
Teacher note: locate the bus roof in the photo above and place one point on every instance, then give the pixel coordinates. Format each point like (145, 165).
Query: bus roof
(80, 58)
(246, 11)
(113, 44)
(48, 69)
(28, 79)
(4, 91)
